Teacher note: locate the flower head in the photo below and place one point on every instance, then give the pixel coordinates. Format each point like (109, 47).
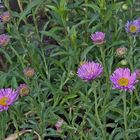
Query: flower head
(89, 71)
(23, 90)
(4, 40)
(59, 124)
(123, 79)
(98, 37)
(7, 97)
(137, 71)
(2, 6)
(121, 51)
(6, 17)
(133, 27)
(29, 72)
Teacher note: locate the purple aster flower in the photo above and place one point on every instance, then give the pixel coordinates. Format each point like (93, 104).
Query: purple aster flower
(138, 20)
(1, 6)
(98, 37)
(133, 27)
(123, 79)
(89, 71)
(4, 40)
(7, 97)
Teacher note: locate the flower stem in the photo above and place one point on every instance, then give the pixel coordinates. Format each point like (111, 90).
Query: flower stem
(131, 100)
(125, 115)
(18, 56)
(103, 59)
(106, 74)
(106, 99)
(21, 8)
(130, 60)
(98, 118)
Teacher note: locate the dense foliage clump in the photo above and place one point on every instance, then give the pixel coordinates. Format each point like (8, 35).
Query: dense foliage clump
(69, 69)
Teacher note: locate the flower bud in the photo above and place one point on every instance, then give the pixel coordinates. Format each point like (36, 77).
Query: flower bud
(6, 17)
(1, 6)
(71, 73)
(4, 40)
(121, 52)
(23, 90)
(29, 72)
(137, 71)
(124, 62)
(58, 125)
(124, 6)
(98, 38)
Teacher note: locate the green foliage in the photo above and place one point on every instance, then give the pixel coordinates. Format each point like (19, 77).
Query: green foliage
(53, 37)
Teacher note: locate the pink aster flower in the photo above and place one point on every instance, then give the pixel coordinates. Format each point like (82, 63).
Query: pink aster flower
(89, 71)
(123, 79)
(7, 97)
(98, 37)
(4, 40)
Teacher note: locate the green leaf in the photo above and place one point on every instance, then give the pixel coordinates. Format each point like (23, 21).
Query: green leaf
(68, 97)
(86, 51)
(28, 9)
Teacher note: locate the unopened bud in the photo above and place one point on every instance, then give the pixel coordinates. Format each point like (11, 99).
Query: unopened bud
(59, 124)
(121, 52)
(23, 90)
(6, 17)
(124, 62)
(137, 71)
(29, 72)
(124, 6)
(4, 40)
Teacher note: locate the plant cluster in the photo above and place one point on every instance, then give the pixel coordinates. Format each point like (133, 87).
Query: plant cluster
(70, 69)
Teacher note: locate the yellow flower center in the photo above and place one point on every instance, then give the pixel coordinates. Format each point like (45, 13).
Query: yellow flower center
(3, 101)
(123, 82)
(133, 28)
